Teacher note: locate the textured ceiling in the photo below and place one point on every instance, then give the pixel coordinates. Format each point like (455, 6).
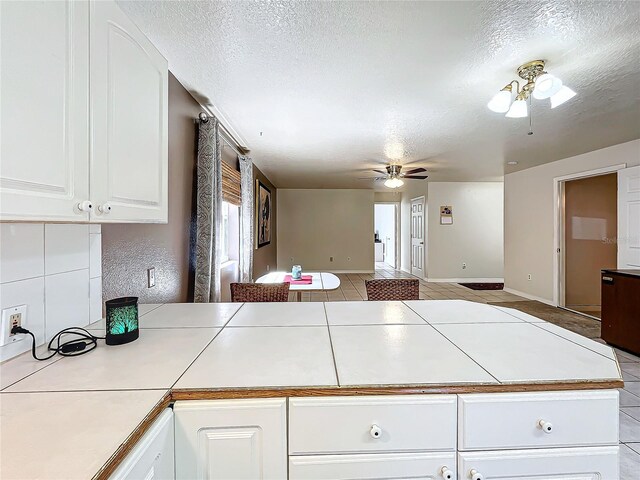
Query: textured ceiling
(321, 91)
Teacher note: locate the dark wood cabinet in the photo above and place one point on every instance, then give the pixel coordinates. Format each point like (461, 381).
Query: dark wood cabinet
(621, 309)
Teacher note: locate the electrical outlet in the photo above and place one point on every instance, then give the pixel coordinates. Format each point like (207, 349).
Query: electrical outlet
(151, 277)
(331, 259)
(464, 265)
(12, 317)
(348, 259)
(529, 277)
(268, 267)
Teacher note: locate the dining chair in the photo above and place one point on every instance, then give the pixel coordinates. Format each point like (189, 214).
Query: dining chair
(393, 289)
(259, 292)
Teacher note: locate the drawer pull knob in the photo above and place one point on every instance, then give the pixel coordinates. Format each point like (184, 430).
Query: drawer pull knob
(475, 475)
(376, 431)
(446, 473)
(105, 208)
(85, 206)
(547, 427)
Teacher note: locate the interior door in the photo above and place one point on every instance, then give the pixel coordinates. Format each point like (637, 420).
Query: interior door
(129, 136)
(629, 218)
(417, 237)
(44, 121)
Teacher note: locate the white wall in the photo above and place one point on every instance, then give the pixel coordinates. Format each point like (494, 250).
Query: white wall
(314, 225)
(385, 226)
(56, 271)
(474, 238)
(529, 216)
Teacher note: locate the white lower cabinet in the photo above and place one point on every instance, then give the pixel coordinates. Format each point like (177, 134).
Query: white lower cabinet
(152, 457)
(588, 463)
(231, 439)
(378, 466)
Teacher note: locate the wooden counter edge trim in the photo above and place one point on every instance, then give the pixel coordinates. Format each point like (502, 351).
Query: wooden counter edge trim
(131, 441)
(246, 393)
(239, 393)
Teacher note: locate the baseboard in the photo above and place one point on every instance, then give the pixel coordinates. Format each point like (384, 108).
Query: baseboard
(466, 280)
(348, 271)
(529, 296)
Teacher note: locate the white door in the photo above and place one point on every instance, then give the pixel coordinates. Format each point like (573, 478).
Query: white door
(152, 456)
(629, 218)
(417, 237)
(44, 120)
(231, 439)
(589, 463)
(424, 466)
(129, 95)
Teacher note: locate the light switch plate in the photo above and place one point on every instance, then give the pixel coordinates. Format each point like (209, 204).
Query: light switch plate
(151, 277)
(12, 316)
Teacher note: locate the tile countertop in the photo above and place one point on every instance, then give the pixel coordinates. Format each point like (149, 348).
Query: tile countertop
(292, 348)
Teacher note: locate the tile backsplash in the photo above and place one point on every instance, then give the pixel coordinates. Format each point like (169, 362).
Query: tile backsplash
(55, 269)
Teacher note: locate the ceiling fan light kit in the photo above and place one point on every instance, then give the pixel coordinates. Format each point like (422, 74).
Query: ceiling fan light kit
(393, 175)
(539, 85)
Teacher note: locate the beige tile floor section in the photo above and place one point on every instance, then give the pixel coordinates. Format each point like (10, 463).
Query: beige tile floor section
(352, 287)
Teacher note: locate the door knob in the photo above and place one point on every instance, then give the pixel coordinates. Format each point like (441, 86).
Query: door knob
(475, 475)
(547, 427)
(376, 431)
(85, 206)
(105, 208)
(446, 473)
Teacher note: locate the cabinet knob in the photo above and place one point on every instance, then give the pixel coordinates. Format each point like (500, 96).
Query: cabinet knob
(105, 208)
(547, 427)
(446, 473)
(85, 206)
(475, 475)
(376, 431)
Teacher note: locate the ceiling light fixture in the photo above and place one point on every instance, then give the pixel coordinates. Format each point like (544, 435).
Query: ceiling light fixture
(539, 85)
(393, 182)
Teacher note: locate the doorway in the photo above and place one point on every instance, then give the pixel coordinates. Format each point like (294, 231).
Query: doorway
(386, 233)
(417, 237)
(588, 231)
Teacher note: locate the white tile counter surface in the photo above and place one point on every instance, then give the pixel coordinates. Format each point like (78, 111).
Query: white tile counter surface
(218, 346)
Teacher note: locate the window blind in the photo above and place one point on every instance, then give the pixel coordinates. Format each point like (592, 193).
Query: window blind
(230, 184)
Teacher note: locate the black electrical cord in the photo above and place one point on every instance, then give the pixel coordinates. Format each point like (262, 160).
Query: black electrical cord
(84, 343)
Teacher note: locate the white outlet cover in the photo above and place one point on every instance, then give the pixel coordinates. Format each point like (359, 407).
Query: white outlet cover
(5, 332)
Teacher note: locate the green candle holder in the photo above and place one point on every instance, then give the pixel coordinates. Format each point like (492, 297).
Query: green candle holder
(122, 320)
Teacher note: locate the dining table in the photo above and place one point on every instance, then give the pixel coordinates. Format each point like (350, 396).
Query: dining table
(320, 282)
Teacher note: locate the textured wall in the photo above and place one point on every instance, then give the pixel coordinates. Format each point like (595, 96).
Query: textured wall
(266, 256)
(129, 249)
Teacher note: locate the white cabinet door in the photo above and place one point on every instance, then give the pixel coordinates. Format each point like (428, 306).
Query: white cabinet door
(436, 466)
(152, 457)
(231, 439)
(589, 463)
(129, 138)
(44, 115)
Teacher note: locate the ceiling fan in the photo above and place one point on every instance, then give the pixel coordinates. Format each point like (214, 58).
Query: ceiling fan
(393, 175)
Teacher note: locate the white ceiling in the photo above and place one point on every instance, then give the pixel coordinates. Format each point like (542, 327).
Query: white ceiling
(322, 91)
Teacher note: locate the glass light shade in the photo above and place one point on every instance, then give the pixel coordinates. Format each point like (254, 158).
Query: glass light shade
(518, 109)
(393, 183)
(562, 96)
(546, 86)
(500, 102)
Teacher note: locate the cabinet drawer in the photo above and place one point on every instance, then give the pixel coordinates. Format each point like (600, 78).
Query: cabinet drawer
(526, 420)
(371, 466)
(372, 424)
(587, 463)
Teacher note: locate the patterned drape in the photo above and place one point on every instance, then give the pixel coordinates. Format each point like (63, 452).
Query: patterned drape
(246, 218)
(209, 212)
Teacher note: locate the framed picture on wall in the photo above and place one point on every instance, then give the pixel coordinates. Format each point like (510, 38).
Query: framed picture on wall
(263, 214)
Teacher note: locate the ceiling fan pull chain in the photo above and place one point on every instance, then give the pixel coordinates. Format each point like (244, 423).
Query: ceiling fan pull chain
(530, 117)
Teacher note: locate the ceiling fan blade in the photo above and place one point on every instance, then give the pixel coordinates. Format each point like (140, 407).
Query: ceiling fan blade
(416, 177)
(380, 171)
(415, 170)
(371, 178)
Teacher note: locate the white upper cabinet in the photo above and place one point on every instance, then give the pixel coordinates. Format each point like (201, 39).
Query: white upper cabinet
(129, 138)
(44, 114)
(83, 115)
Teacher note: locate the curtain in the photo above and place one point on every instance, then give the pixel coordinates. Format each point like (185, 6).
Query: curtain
(246, 218)
(209, 213)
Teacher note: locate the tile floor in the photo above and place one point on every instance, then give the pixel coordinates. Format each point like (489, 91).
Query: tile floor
(352, 287)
